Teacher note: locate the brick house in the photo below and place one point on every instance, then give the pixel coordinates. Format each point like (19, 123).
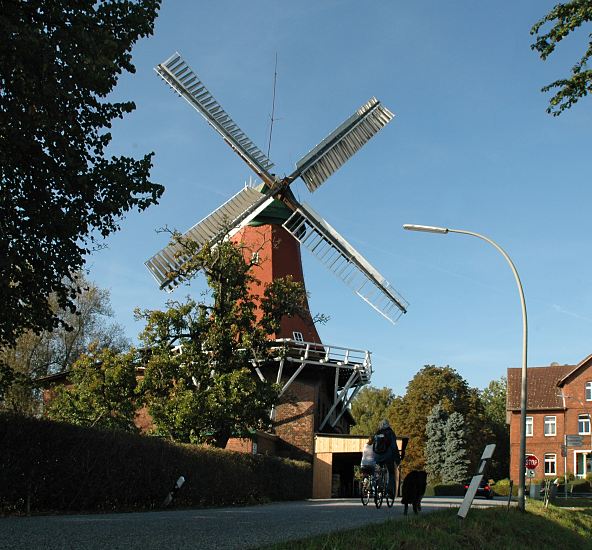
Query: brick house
(559, 404)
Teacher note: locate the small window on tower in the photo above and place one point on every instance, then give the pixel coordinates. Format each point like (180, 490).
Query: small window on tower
(298, 336)
(255, 258)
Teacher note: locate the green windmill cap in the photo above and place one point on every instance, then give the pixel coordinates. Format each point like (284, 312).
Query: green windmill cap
(276, 213)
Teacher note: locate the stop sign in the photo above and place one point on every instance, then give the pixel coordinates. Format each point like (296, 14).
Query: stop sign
(531, 462)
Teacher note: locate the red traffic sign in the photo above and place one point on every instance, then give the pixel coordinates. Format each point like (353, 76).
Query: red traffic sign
(531, 462)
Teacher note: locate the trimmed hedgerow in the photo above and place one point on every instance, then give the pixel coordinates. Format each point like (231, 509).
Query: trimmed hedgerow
(449, 489)
(54, 467)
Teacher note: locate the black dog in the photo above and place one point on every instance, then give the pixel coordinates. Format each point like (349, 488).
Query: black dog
(414, 486)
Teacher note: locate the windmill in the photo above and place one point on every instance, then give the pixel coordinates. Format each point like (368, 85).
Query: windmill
(300, 221)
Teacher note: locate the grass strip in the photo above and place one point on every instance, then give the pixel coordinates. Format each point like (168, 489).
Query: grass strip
(491, 528)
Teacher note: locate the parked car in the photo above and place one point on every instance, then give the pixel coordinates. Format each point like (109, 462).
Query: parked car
(484, 489)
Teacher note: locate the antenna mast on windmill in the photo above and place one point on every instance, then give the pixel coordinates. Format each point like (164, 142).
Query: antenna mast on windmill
(252, 206)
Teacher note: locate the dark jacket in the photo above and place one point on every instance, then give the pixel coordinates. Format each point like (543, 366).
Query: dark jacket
(392, 453)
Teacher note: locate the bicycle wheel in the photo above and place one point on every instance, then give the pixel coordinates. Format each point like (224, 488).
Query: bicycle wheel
(365, 491)
(379, 490)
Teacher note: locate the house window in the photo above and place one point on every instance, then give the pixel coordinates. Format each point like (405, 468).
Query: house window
(583, 424)
(298, 336)
(550, 425)
(529, 426)
(588, 391)
(550, 464)
(255, 258)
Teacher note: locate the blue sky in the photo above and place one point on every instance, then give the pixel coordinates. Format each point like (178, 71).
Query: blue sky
(471, 147)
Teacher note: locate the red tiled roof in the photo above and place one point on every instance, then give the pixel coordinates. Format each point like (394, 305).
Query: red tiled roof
(542, 387)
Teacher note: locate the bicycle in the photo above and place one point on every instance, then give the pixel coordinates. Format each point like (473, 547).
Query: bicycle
(382, 492)
(368, 488)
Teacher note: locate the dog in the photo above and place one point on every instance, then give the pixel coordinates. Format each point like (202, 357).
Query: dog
(414, 486)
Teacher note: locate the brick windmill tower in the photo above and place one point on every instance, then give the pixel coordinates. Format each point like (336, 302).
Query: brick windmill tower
(318, 380)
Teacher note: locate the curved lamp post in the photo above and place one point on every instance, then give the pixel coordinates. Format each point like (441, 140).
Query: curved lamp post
(523, 387)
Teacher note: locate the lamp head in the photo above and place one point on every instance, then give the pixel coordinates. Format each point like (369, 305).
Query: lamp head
(425, 228)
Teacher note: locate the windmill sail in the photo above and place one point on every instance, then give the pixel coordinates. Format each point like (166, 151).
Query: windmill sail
(177, 73)
(225, 221)
(342, 259)
(329, 155)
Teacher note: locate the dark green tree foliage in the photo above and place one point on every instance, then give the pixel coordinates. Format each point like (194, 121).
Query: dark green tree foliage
(200, 381)
(59, 192)
(435, 448)
(100, 393)
(565, 18)
(493, 398)
(369, 407)
(431, 385)
(455, 466)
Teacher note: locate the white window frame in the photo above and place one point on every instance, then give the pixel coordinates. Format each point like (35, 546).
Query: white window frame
(550, 422)
(529, 424)
(589, 391)
(550, 464)
(255, 258)
(584, 424)
(297, 336)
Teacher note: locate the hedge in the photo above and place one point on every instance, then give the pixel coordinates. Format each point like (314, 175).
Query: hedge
(48, 466)
(449, 489)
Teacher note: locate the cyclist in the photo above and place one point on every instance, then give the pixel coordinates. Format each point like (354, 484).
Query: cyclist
(368, 464)
(386, 451)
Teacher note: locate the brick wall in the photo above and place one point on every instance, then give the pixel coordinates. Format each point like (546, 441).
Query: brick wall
(241, 445)
(566, 423)
(294, 420)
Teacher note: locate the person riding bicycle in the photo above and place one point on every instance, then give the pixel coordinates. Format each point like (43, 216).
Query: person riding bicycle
(368, 463)
(386, 451)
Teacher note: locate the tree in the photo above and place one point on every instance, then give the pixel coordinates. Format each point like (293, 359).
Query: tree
(49, 352)
(101, 392)
(435, 447)
(454, 469)
(565, 18)
(60, 194)
(369, 407)
(200, 382)
(428, 387)
(493, 398)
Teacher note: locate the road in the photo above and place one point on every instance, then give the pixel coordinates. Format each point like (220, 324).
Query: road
(219, 528)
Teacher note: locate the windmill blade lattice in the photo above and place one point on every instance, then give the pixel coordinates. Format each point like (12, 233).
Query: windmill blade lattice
(167, 265)
(179, 75)
(344, 261)
(339, 146)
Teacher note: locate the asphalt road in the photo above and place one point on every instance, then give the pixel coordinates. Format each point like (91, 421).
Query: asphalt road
(218, 528)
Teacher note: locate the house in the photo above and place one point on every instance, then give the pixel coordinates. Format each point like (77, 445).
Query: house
(558, 431)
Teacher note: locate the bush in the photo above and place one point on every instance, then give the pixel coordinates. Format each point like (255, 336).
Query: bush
(502, 488)
(50, 466)
(449, 489)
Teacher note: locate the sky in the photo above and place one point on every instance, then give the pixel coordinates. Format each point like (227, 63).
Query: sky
(471, 147)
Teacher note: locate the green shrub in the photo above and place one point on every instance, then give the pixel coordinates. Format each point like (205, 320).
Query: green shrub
(429, 492)
(50, 466)
(449, 489)
(502, 488)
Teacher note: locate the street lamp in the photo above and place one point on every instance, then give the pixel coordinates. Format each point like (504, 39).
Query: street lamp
(523, 387)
